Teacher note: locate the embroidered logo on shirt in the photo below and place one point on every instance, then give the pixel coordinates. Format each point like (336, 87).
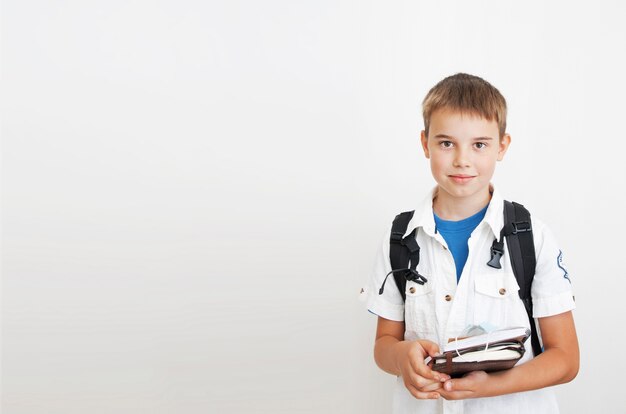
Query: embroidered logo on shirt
(559, 263)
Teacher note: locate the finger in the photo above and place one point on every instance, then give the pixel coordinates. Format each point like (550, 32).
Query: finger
(446, 395)
(423, 370)
(449, 385)
(433, 386)
(430, 347)
(420, 382)
(426, 372)
(443, 377)
(421, 395)
(458, 384)
(455, 395)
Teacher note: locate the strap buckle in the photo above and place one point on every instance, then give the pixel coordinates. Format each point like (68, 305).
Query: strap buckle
(496, 254)
(396, 236)
(414, 276)
(521, 227)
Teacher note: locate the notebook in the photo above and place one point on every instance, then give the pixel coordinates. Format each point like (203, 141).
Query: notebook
(493, 351)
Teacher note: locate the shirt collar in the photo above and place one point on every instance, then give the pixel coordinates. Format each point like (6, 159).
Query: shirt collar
(423, 216)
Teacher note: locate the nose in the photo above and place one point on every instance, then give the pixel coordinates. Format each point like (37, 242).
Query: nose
(461, 158)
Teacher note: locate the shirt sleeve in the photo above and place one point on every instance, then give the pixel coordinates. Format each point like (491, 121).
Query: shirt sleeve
(552, 287)
(390, 304)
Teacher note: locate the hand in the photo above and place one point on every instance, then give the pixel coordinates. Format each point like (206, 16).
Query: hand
(471, 385)
(419, 379)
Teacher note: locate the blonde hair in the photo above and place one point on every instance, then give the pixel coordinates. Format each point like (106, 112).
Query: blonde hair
(467, 94)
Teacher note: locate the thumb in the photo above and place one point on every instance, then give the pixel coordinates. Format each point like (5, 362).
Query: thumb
(457, 384)
(430, 347)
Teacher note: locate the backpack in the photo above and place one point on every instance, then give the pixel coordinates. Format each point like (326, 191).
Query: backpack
(404, 256)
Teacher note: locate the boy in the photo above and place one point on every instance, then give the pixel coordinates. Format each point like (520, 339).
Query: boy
(463, 137)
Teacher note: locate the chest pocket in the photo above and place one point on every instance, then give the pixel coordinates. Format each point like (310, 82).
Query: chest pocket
(496, 300)
(419, 315)
(501, 286)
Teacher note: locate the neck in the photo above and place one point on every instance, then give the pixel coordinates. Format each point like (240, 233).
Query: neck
(453, 208)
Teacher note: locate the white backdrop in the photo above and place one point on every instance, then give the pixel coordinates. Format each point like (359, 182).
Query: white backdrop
(193, 192)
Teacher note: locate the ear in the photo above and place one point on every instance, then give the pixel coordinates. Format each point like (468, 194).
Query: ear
(424, 140)
(505, 141)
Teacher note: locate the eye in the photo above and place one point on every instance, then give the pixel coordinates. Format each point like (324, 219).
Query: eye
(480, 145)
(446, 144)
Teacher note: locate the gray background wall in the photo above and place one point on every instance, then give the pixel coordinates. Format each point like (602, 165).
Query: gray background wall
(193, 192)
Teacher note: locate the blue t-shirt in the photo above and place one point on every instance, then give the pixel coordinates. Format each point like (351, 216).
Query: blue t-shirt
(456, 234)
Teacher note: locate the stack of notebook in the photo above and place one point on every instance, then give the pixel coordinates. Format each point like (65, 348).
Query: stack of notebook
(493, 351)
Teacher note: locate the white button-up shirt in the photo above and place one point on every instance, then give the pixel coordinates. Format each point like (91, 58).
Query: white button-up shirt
(441, 309)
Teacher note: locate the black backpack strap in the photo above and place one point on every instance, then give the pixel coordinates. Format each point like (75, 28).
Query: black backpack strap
(404, 254)
(519, 237)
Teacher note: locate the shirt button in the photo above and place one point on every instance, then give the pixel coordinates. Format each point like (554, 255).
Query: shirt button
(412, 289)
(502, 291)
(448, 298)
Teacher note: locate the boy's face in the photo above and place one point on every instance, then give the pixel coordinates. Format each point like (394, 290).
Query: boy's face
(463, 150)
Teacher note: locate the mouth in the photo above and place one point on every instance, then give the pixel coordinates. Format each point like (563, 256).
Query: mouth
(461, 178)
